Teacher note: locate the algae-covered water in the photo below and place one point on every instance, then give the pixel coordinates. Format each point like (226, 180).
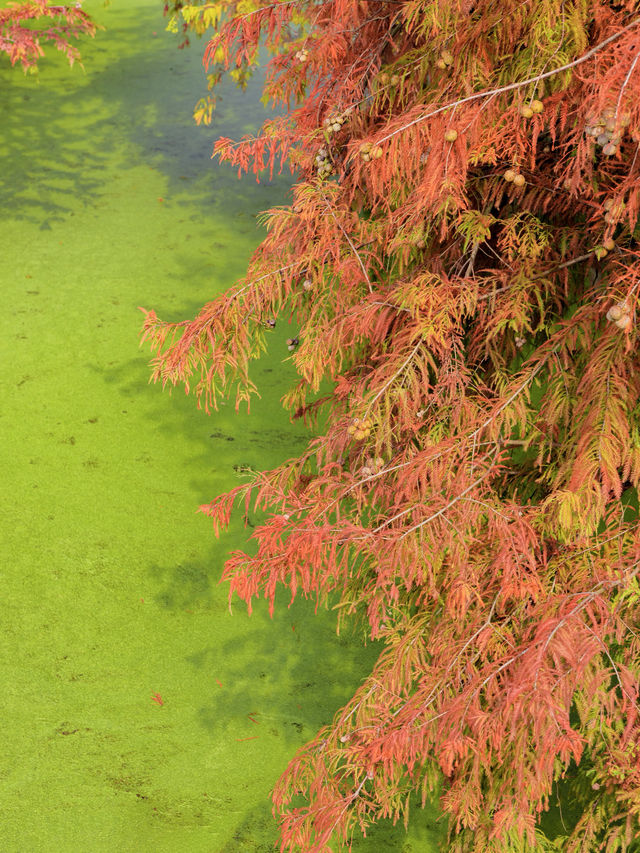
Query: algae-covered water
(110, 602)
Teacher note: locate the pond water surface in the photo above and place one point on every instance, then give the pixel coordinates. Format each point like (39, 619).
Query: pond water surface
(110, 595)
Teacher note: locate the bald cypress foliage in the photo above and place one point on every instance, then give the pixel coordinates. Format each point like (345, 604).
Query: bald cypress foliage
(460, 259)
(55, 25)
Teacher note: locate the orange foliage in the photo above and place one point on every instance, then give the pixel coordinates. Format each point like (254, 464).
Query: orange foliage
(461, 259)
(23, 43)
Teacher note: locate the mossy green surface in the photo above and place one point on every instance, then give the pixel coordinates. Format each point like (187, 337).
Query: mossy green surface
(109, 577)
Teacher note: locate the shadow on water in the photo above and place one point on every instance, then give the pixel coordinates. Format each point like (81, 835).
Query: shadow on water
(53, 173)
(256, 833)
(78, 147)
(282, 690)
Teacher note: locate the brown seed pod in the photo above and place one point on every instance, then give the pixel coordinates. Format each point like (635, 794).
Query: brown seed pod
(509, 175)
(451, 135)
(526, 112)
(440, 63)
(446, 57)
(537, 106)
(519, 180)
(615, 313)
(376, 152)
(609, 244)
(609, 149)
(624, 322)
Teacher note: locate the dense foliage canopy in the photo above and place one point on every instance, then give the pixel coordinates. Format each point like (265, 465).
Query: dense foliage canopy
(460, 258)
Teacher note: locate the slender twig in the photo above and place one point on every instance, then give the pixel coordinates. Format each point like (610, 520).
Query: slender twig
(511, 86)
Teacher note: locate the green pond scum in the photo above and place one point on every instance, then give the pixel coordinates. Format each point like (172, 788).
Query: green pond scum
(138, 713)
